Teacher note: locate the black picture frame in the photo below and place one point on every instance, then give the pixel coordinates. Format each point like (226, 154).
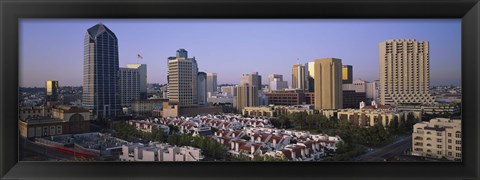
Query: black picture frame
(11, 11)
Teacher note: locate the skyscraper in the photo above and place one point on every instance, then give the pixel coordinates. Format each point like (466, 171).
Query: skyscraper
(298, 77)
(129, 85)
(101, 92)
(247, 96)
(52, 90)
(328, 83)
(202, 88)
(310, 68)
(211, 82)
(142, 71)
(252, 79)
(182, 79)
(404, 72)
(275, 82)
(347, 74)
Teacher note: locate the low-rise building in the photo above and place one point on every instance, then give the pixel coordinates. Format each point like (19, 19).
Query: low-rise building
(438, 138)
(64, 120)
(159, 152)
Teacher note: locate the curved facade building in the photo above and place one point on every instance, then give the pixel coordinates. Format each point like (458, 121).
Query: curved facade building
(101, 92)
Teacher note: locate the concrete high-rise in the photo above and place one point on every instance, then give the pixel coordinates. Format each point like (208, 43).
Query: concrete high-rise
(347, 74)
(275, 82)
(202, 88)
(182, 79)
(328, 83)
(142, 71)
(298, 77)
(252, 79)
(273, 76)
(129, 85)
(101, 91)
(211, 82)
(52, 91)
(404, 72)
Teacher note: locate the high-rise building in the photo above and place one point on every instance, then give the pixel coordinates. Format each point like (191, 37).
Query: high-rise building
(202, 88)
(278, 84)
(52, 90)
(252, 79)
(211, 82)
(372, 90)
(328, 83)
(347, 74)
(142, 70)
(404, 72)
(101, 91)
(298, 77)
(247, 96)
(273, 76)
(129, 85)
(182, 79)
(310, 71)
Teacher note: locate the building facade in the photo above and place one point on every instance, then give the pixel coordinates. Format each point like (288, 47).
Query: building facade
(286, 97)
(212, 82)
(310, 68)
(277, 84)
(438, 138)
(404, 67)
(253, 79)
(347, 74)
(328, 83)
(101, 91)
(182, 79)
(52, 91)
(202, 87)
(247, 96)
(298, 77)
(129, 85)
(142, 72)
(64, 120)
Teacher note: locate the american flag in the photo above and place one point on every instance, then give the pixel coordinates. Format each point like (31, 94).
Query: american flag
(139, 56)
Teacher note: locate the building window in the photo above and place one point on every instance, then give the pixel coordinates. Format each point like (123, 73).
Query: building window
(439, 134)
(449, 141)
(450, 153)
(458, 142)
(439, 140)
(439, 152)
(449, 134)
(459, 154)
(449, 147)
(458, 148)
(439, 146)
(458, 135)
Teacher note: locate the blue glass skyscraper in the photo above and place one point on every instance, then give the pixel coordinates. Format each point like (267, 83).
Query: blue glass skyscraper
(101, 91)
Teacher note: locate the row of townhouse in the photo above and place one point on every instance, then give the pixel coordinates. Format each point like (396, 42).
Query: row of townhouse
(148, 126)
(255, 136)
(155, 151)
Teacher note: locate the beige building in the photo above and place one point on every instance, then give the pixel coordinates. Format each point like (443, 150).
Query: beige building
(328, 83)
(310, 71)
(182, 79)
(438, 138)
(298, 77)
(404, 72)
(247, 96)
(64, 120)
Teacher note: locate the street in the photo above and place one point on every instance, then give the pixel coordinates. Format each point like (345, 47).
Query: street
(396, 148)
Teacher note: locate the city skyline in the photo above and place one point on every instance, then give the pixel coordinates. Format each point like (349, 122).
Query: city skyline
(230, 47)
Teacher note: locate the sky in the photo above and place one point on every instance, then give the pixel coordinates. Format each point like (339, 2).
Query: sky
(52, 49)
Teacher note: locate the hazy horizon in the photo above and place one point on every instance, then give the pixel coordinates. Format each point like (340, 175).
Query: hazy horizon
(52, 49)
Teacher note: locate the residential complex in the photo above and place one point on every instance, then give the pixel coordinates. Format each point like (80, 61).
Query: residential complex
(438, 138)
(156, 152)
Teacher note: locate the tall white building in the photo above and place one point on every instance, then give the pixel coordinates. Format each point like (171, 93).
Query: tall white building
(404, 72)
(142, 71)
(182, 79)
(129, 85)
(211, 82)
(372, 90)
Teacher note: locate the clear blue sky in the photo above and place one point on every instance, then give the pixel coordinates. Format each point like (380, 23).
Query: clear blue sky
(53, 48)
